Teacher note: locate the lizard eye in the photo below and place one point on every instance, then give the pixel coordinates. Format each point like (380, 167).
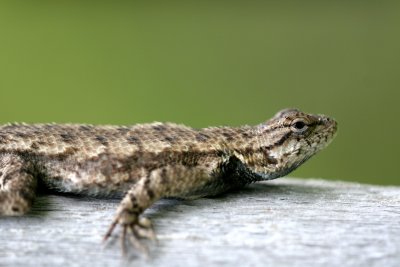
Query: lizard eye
(299, 126)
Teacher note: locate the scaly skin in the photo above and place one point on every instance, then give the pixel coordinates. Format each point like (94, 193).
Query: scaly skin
(146, 162)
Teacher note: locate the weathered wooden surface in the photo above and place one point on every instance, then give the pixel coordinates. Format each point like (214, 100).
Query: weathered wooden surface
(286, 222)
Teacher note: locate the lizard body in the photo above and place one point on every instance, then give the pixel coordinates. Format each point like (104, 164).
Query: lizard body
(146, 162)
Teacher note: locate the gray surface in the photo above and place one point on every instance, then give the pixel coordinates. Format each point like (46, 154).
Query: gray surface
(286, 222)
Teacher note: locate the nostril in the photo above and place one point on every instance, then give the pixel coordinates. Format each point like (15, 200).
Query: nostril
(323, 119)
(326, 119)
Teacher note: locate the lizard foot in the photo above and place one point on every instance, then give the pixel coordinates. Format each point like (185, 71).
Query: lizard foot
(134, 228)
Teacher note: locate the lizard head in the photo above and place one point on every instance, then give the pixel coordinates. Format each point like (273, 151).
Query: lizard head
(290, 138)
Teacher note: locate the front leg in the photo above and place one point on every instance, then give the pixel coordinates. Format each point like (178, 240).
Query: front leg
(17, 185)
(164, 182)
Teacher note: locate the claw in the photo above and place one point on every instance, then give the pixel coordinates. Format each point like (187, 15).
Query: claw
(123, 238)
(147, 229)
(145, 232)
(136, 243)
(110, 230)
(133, 232)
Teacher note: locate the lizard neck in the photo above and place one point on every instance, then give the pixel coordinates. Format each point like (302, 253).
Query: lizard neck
(253, 148)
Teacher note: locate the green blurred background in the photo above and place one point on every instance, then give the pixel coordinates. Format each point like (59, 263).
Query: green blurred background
(212, 63)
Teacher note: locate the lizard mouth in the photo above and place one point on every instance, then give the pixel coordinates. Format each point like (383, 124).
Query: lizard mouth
(331, 127)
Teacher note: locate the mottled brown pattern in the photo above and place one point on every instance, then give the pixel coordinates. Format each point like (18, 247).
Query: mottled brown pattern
(146, 162)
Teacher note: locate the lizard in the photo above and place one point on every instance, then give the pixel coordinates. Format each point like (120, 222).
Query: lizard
(143, 163)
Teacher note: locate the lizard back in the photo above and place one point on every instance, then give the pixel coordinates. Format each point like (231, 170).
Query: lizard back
(106, 160)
